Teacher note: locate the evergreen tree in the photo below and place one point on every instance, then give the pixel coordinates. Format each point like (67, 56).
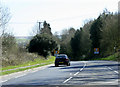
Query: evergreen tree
(95, 35)
(42, 44)
(46, 29)
(76, 45)
(65, 46)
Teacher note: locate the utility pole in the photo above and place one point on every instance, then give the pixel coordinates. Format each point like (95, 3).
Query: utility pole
(39, 26)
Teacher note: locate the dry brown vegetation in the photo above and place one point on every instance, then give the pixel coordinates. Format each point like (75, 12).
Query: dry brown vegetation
(12, 54)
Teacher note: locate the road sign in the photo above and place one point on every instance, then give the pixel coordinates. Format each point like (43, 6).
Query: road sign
(56, 53)
(96, 50)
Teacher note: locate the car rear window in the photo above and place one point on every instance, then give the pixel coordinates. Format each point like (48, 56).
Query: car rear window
(61, 57)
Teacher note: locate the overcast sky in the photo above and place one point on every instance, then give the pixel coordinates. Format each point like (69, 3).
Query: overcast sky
(61, 14)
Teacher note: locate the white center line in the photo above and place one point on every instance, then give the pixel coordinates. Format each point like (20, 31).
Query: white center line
(67, 79)
(75, 73)
(113, 70)
(70, 73)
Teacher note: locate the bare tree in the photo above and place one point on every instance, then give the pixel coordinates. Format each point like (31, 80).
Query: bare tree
(4, 18)
(35, 30)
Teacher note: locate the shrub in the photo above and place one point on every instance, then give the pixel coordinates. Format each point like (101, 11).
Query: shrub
(42, 44)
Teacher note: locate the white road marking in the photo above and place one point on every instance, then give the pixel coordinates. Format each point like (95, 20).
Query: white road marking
(75, 73)
(17, 74)
(4, 81)
(70, 73)
(20, 75)
(116, 72)
(67, 79)
(113, 70)
(83, 66)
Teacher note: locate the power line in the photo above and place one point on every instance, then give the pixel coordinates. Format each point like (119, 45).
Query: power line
(21, 22)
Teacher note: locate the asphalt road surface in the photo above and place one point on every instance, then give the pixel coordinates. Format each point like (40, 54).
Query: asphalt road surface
(79, 73)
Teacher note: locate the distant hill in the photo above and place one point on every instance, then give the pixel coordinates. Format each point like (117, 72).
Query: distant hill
(23, 39)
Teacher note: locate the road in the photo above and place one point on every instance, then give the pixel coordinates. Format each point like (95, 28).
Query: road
(79, 73)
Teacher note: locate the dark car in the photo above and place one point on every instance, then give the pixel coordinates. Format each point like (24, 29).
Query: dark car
(62, 59)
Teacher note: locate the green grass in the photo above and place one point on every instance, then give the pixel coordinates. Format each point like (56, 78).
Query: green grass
(50, 60)
(112, 57)
(109, 58)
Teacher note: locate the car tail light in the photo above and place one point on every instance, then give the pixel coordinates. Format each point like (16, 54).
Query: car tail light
(66, 59)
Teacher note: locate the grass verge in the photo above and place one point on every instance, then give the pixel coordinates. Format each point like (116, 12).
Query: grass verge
(114, 57)
(39, 61)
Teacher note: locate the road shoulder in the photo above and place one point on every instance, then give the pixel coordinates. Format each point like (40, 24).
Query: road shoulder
(7, 77)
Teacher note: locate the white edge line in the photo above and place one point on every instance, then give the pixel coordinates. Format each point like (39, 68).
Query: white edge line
(20, 76)
(4, 81)
(41, 68)
(14, 77)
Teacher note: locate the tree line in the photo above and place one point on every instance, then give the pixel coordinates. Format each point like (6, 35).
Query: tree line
(102, 32)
